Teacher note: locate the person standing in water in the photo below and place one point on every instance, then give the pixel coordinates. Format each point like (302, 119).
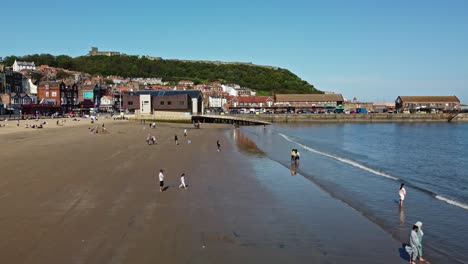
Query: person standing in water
(402, 194)
(420, 237)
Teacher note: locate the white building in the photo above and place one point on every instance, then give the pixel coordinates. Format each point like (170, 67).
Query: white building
(232, 89)
(216, 101)
(23, 65)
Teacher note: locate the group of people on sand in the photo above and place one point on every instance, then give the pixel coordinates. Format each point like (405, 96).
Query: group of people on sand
(161, 181)
(416, 236)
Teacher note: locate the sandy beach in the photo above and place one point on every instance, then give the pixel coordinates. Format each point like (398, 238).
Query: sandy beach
(68, 196)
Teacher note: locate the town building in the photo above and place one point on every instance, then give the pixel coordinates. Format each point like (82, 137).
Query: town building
(185, 85)
(23, 65)
(95, 52)
(48, 93)
(405, 104)
(69, 99)
(308, 101)
(148, 101)
(383, 107)
(252, 102)
(215, 101)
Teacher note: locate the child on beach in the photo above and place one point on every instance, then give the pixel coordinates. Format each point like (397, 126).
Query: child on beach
(176, 140)
(182, 181)
(185, 132)
(161, 180)
(402, 194)
(218, 145)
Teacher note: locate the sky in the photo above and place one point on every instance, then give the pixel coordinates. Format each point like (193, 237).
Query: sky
(371, 50)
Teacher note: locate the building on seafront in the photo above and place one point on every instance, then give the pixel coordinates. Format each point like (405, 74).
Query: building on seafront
(411, 104)
(307, 101)
(148, 101)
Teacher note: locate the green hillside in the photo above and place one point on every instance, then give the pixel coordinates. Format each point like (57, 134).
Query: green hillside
(265, 80)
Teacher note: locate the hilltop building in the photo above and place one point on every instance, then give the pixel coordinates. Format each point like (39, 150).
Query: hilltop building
(95, 52)
(23, 65)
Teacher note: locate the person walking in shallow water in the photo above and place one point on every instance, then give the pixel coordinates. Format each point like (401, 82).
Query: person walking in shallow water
(402, 194)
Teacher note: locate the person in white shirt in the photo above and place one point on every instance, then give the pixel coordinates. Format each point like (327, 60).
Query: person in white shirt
(402, 194)
(185, 132)
(182, 181)
(161, 180)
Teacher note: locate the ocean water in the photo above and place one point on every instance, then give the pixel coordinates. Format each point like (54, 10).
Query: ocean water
(362, 165)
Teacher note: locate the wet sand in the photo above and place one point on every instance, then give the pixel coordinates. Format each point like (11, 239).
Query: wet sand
(67, 196)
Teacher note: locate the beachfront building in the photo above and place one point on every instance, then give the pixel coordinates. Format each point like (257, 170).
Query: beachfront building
(411, 104)
(69, 99)
(295, 102)
(383, 107)
(23, 65)
(148, 101)
(215, 101)
(252, 103)
(48, 92)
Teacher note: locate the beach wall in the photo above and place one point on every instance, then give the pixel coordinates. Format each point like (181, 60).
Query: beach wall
(350, 118)
(165, 116)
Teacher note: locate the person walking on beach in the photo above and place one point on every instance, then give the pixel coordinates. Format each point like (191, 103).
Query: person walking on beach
(414, 242)
(297, 156)
(185, 132)
(293, 155)
(402, 194)
(161, 180)
(218, 145)
(420, 237)
(176, 140)
(182, 181)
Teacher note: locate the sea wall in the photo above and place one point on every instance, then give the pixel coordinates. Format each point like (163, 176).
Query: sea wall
(350, 118)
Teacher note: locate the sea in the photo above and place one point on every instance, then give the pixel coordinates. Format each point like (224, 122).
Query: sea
(363, 164)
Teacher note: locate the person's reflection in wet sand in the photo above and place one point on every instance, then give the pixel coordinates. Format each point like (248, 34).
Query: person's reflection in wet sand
(293, 169)
(401, 216)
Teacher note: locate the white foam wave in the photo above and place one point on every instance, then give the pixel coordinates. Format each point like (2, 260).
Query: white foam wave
(452, 202)
(344, 160)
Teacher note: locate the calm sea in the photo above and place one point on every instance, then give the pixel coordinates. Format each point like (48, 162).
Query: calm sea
(363, 165)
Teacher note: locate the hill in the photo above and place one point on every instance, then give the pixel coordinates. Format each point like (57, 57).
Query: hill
(265, 80)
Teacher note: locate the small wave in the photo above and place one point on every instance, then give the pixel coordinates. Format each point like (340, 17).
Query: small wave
(452, 202)
(344, 160)
(376, 172)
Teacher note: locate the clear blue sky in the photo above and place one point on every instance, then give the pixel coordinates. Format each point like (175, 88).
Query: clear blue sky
(372, 50)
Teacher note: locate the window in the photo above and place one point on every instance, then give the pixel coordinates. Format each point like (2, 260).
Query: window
(130, 102)
(161, 103)
(54, 94)
(169, 102)
(47, 94)
(181, 102)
